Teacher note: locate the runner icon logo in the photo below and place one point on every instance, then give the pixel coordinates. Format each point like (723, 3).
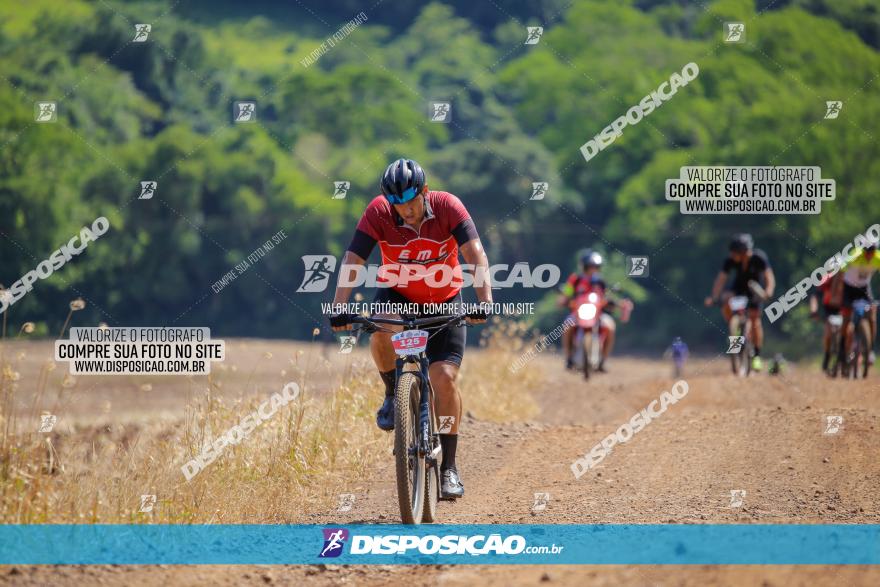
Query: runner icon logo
(148, 189)
(736, 497)
(539, 190)
(832, 108)
(334, 540)
(534, 33)
(47, 422)
(440, 112)
(346, 501)
(319, 268)
(147, 503)
(340, 189)
(541, 501)
(735, 344)
(346, 344)
(735, 31)
(833, 424)
(141, 32)
(638, 266)
(446, 424)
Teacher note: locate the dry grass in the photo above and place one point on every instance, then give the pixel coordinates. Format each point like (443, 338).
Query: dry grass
(294, 463)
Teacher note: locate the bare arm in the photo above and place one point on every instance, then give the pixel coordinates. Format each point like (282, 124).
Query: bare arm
(716, 287)
(770, 280)
(473, 254)
(343, 292)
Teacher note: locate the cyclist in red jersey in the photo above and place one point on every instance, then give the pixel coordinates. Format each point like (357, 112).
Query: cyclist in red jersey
(830, 290)
(420, 234)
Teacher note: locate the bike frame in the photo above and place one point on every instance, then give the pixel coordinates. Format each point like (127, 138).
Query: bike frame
(429, 438)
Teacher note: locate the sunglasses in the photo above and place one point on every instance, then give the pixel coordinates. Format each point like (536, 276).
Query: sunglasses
(405, 197)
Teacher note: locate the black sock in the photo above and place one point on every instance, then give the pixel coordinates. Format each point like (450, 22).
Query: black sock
(757, 351)
(826, 359)
(388, 378)
(448, 442)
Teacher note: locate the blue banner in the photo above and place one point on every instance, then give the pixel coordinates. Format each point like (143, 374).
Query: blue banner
(666, 544)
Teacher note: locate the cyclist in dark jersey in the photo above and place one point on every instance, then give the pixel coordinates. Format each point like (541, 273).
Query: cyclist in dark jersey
(420, 233)
(752, 277)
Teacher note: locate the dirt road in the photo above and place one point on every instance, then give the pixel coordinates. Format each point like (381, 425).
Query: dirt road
(764, 435)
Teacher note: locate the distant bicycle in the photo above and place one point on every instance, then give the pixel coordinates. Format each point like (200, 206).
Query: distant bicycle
(858, 360)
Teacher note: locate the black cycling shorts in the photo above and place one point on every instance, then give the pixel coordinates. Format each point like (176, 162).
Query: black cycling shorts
(851, 294)
(444, 345)
(830, 310)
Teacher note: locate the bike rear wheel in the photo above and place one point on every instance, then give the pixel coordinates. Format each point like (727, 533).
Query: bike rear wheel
(411, 474)
(863, 335)
(834, 353)
(740, 362)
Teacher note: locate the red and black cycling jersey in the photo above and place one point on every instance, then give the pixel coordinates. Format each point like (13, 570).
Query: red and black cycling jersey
(579, 284)
(447, 226)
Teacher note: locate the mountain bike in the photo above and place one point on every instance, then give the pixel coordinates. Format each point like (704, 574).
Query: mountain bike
(857, 359)
(741, 361)
(417, 451)
(836, 352)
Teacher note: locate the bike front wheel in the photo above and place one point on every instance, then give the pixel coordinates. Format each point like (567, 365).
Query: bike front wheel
(411, 474)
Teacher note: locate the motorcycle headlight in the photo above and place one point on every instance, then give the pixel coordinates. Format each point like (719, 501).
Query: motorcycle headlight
(587, 311)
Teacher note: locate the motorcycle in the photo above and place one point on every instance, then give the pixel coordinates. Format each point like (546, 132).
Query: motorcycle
(591, 333)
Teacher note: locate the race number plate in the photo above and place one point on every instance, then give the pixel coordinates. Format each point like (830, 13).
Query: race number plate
(835, 320)
(738, 303)
(410, 342)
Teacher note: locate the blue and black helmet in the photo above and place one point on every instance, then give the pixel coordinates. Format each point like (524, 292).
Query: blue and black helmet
(402, 181)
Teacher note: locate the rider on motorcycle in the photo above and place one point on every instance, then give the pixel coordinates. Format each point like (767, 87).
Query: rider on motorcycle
(753, 278)
(417, 227)
(589, 280)
(829, 291)
(857, 286)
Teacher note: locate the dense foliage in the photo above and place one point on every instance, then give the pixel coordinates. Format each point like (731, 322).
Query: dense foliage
(162, 110)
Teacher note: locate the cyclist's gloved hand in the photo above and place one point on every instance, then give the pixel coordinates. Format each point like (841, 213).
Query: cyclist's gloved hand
(480, 315)
(341, 321)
